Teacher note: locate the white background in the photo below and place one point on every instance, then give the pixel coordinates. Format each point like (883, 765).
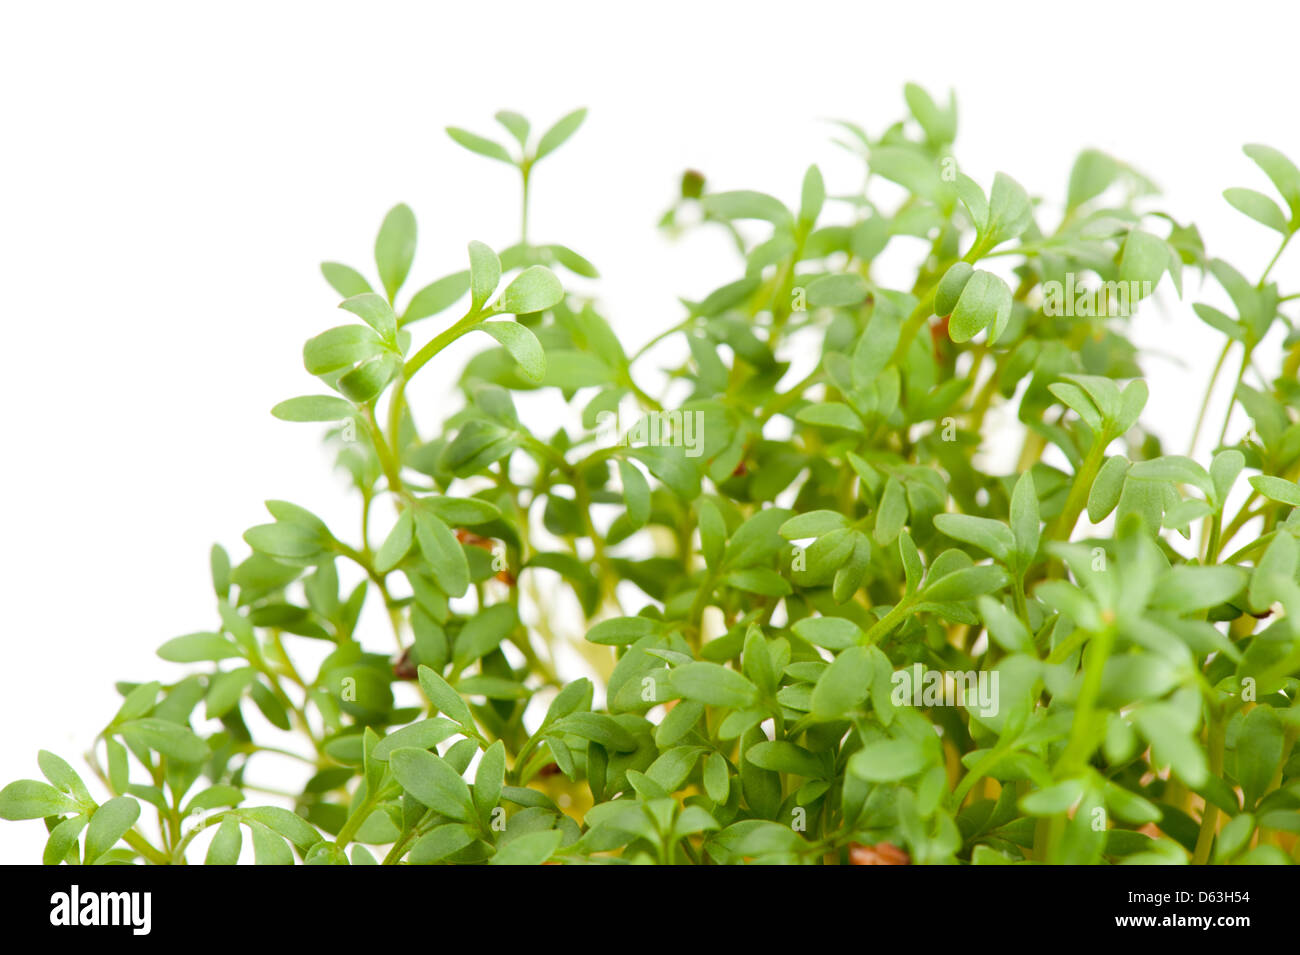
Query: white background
(171, 175)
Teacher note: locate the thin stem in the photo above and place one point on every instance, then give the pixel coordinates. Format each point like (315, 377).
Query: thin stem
(1232, 398)
(525, 168)
(1210, 814)
(1209, 390)
(1080, 488)
(1276, 255)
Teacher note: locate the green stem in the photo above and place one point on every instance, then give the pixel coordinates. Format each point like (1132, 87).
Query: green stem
(1209, 389)
(1232, 398)
(525, 168)
(1081, 487)
(146, 848)
(890, 620)
(1276, 255)
(1210, 814)
(441, 341)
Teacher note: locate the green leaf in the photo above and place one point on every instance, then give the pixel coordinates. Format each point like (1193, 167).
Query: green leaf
(288, 824)
(1054, 800)
(621, 631)
(1259, 207)
(314, 408)
(813, 195)
(1174, 468)
(940, 125)
(425, 734)
(436, 296)
(813, 524)
(828, 291)
(484, 632)
(31, 799)
(830, 414)
(599, 728)
(63, 841)
(428, 778)
(522, 345)
(746, 204)
(1219, 321)
(1261, 747)
(1273, 572)
(972, 197)
(1010, 211)
(1225, 467)
(63, 776)
(532, 848)
(1277, 489)
(445, 698)
(397, 543)
(985, 302)
(533, 290)
(484, 274)
(515, 124)
(713, 533)
(1074, 398)
(1185, 588)
(1024, 518)
(1280, 170)
(785, 757)
(344, 279)
(833, 633)
(395, 249)
(1233, 836)
(214, 796)
(374, 311)
(991, 536)
(892, 514)
(441, 842)
(268, 847)
(443, 552)
(1004, 627)
(636, 491)
(714, 685)
(717, 777)
(368, 380)
(911, 558)
(556, 136)
(169, 739)
(110, 823)
(340, 348)
(888, 761)
(948, 292)
(844, 683)
(226, 689)
(966, 584)
(488, 780)
(1143, 258)
(910, 166)
(288, 541)
(196, 647)
(1092, 174)
(1132, 400)
(226, 844)
(481, 145)
(1172, 742)
(1106, 487)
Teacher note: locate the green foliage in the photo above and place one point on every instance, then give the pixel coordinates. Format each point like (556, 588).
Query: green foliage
(766, 576)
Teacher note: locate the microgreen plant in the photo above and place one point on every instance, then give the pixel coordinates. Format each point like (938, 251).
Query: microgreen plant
(728, 612)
